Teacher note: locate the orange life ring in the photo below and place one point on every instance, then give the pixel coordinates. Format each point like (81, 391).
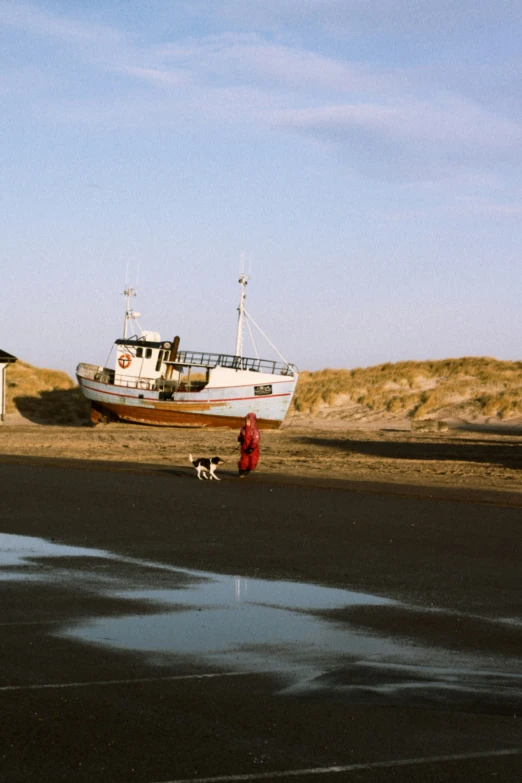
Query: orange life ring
(125, 360)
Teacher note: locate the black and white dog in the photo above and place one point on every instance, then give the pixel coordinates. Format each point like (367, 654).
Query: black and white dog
(206, 467)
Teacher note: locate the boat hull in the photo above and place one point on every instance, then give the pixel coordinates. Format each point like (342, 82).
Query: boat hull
(171, 418)
(211, 407)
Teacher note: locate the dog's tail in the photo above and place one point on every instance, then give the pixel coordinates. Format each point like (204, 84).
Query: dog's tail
(190, 459)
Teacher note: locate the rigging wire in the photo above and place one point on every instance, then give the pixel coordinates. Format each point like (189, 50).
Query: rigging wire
(251, 337)
(108, 357)
(266, 338)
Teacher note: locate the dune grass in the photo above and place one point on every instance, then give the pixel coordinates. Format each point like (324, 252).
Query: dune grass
(475, 386)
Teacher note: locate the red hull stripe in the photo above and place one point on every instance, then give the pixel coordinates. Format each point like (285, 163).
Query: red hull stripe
(188, 402)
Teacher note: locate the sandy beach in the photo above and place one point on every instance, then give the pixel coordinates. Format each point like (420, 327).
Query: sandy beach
(472, 458)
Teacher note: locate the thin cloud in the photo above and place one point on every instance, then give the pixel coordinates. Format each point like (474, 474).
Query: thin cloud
(252, 57)
(485, 206)
(378, 19)
(31, 19)
(382, 119)
(449, 121)
(169, 78)
(431, 140)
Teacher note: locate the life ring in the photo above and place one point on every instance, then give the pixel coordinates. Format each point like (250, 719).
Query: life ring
(125, 360)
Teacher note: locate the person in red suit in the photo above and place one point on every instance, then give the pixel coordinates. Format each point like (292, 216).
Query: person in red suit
(249, 440)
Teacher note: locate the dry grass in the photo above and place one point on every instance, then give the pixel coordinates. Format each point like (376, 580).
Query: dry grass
(40, 394)
(471, 386)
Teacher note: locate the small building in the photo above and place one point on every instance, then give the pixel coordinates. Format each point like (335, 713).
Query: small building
(5, 359)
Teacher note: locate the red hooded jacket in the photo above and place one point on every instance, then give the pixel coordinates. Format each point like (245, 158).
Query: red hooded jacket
(249, 435)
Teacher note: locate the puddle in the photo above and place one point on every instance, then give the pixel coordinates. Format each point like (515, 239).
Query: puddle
(215, 591)
(21, 556)
(249, 624)
(252, 625)
(20, 550)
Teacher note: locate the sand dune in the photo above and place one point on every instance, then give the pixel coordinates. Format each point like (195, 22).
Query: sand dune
(470, 389)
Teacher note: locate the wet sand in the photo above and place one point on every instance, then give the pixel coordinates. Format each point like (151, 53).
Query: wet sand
(448, 558)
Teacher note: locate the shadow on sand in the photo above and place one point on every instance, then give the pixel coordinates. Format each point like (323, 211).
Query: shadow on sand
(66, 407)
(508, 455)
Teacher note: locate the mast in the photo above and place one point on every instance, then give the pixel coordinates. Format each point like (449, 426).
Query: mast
(128, 310)
(243, 282)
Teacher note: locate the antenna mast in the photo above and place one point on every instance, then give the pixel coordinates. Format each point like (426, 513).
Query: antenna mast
(243, 281)
(128, 310)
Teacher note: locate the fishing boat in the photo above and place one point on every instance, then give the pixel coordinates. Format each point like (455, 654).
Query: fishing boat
(155, 382)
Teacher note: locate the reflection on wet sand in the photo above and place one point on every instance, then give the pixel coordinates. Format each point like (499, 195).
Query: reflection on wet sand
(278, 627)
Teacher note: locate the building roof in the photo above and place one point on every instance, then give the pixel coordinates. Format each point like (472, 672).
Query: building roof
(6, 358)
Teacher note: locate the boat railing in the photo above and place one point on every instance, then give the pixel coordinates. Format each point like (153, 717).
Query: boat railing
(202, 359)
(105, 375)
(93, 372)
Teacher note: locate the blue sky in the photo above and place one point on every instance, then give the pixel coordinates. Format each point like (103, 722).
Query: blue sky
(366, 156)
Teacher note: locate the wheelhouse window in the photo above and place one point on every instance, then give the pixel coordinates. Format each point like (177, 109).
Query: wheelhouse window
(160, 359)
